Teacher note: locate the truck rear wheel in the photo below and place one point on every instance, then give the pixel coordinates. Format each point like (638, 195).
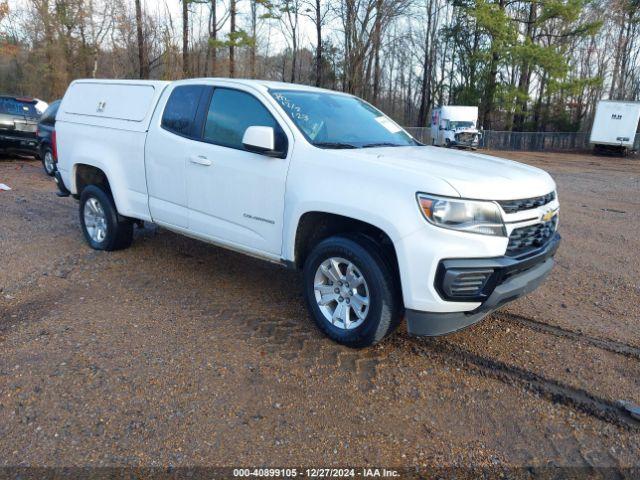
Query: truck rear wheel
(103, 228)
(351, 291)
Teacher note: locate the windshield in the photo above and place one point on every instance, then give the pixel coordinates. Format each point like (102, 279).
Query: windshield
(340, 121)
(456, 125)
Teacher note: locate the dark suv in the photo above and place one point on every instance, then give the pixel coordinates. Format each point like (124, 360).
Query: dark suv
(18, 123)
(47, 137)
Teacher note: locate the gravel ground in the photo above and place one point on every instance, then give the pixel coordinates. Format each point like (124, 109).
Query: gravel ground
(177, 353)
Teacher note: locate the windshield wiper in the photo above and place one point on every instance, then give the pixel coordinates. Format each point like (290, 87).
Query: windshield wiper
(333, 145)
(382, 144)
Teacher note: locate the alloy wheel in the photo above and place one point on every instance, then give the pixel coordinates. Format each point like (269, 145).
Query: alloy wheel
(49, 164)
(342, 293)
(95, 220)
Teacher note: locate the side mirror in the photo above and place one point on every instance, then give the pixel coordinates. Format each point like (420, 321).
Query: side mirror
(260, 140)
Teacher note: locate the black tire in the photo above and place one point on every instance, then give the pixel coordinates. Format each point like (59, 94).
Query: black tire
(119, 232)
(51, 170)
(385, 305)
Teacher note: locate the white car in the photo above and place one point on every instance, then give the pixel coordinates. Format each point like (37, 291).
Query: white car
(381, 226)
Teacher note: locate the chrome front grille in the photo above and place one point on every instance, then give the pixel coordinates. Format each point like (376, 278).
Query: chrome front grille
(515, 206)
(525, 239)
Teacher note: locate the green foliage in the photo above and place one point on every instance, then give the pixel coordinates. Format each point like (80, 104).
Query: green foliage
(467, 95)
(239, 38)
(521, 37)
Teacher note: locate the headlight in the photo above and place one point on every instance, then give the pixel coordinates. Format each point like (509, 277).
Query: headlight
(464, 215)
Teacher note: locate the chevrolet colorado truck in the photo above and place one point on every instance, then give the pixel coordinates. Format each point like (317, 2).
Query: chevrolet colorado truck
(382, 227)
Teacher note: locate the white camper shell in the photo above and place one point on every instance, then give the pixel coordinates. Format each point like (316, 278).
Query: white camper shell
(455, 126)
(124, 104)
(615, 126)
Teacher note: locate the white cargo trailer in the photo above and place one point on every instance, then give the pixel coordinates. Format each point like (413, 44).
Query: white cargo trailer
(615, 126)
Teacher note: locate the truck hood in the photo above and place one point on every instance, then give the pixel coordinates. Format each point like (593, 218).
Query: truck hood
(472, 175)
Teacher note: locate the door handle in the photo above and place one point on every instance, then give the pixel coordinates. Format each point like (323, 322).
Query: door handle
(200, 160)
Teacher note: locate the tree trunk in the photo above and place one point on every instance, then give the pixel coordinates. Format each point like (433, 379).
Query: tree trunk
(142, 61)
(319, 43)
(185, 38)
(524, 81)
(538, 127)
(377, 45)
(213, 38)
(427, 65)
(294, 56)
(616, 66)
(622, 78)
(49, 55)
(486, 106)
(232, 38)
(293, 19)
(254, 36)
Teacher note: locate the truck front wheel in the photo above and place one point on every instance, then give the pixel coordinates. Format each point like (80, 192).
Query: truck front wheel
(351, 291)
(103, 228)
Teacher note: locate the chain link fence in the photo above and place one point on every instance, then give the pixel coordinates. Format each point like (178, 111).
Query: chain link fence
(525, 141)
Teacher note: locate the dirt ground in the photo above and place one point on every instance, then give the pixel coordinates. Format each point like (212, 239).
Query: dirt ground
(178, 353)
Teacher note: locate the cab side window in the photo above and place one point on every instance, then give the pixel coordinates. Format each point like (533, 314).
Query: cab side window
(231, 112)
(180, 111)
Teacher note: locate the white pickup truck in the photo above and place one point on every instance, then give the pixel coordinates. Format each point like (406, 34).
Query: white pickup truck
(381, 226)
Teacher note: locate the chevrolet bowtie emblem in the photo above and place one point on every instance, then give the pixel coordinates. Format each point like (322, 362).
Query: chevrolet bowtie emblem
(548, 215)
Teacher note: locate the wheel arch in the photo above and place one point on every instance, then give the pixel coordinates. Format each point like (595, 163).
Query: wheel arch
(315, 226)
(85, 174)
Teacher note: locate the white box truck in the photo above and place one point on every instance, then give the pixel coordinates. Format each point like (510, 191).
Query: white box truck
(455, 126)
(381, 226)
(615, 126)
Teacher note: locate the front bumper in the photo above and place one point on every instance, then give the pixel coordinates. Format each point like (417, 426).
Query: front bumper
(466, 141)
(512, 278)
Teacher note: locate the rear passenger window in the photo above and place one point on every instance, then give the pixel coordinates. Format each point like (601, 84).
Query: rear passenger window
(231, 112)
(180, 112)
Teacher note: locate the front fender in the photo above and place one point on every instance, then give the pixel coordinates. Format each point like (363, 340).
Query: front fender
(412, 222)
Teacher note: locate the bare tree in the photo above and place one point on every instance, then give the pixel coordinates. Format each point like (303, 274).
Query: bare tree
(428, 60)
(216, 22)
(317, 11)
(289, 15)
